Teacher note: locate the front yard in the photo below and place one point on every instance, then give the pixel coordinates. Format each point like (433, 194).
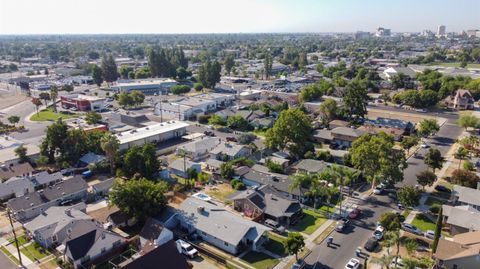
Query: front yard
(260, 260)
(34, 251)
(422, 222)
(275, 244)
(310, 222)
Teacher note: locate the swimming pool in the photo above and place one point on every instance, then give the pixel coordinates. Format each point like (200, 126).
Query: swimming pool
(202, 196)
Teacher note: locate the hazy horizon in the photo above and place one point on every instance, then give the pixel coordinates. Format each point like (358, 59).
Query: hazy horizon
(57, 17)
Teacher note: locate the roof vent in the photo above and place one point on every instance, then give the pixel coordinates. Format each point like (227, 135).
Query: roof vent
(200, 209)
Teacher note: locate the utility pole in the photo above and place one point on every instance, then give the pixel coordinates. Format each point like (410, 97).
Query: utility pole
(15, 236)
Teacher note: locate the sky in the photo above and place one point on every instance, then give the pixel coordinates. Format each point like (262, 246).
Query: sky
(233, 16)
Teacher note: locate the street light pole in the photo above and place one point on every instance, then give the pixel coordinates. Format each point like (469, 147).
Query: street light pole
(15, 236)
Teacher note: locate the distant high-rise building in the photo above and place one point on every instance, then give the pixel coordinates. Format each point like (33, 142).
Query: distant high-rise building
(473, 33)
(359, 35)
(427, 33)
(382, 32)
(441, 31)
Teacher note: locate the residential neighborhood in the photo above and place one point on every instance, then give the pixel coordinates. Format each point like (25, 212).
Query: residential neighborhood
(352, 147)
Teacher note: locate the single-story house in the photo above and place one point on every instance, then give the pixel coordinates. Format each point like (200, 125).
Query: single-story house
(180, 167)
(153, 257)
(44, 179)
(34, 203)
(406, 126)
(310, 166)
(198, 149)
(229, 151)
(89, 242)
(16, 170)
(462, 252)
(90, 159)
(154, 232)
(15, 187)
(219, 227)
(466, 196)
(102, 188)
(265, 202)
(54, 224)
(461, 219)
(344, 136)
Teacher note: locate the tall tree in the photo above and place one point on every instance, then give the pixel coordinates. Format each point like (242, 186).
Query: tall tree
(229, 62)
(434, 159)
(355, 99)
(109, 69)
(37, 103)
(54, 96)
(438, 230)
(267, 65)
(468, 121)
(409, 141)
(45, 96)
(376, 158)
(409, 196)
(328, 109)
(97, 75)
(21, 153)
(291, 130)
(93, 117)
(139, 198)
(294, 243)
(425, 178)
(428, 127)
(110, 145)
(54, 141)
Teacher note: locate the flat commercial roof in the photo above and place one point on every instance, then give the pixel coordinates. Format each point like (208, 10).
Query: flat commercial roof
(149, 131)
(144, 82)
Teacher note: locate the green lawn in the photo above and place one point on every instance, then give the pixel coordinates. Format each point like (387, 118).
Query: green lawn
(310, 222)
(260, 260)
(423, 223)
(22, 240)
(432, 200)
(275, 244)
(9, 255)
(260, 133)
(49, 115)
(33, 252)
(455, 64)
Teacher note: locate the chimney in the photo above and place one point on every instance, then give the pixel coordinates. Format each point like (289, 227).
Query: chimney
(200, 209)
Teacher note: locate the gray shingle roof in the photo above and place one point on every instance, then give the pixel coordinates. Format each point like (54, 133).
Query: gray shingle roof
(216, 221)
(467, 195)
(347, 131)
(229, 149)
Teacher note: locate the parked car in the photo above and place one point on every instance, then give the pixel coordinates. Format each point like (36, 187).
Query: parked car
(275, 226)
(378, 233)
(300, 264)
(371, 244)
(424, 146)
(421, 110)
(186, 249)
(225, 130)
(342, 224)
(209, 133)
(429, 234)
(231, 139)
(353, 264)
(354, 213)
(411, 228)
(378, 190)
(443, 189)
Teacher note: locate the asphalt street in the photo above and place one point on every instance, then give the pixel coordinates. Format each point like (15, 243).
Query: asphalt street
(5, 262)
(345, 244)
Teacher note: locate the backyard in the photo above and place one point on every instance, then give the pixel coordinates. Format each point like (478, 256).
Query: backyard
(310, 222)
(49, 115)
(220, 192)
(422, 222)
(260, 260)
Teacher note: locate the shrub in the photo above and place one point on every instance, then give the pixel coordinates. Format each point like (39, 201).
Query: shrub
(435, 208)
(198, 86)
(180, 89)
(203, 119)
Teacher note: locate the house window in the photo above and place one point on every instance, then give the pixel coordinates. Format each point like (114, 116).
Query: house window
(226, 244)
(204, 233)
(54, 238)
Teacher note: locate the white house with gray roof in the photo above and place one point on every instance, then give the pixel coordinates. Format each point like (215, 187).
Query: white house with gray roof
(200, 148)
(461, 219)
(15, 187)
(229, 151)
(466, 196)
(219, 227)
(54, 224)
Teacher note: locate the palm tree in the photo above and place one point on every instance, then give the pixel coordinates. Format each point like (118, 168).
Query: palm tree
(395, 240)
(54, 96)
(110, 145)
(343, 176)
(300, 181)
(383, 261)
